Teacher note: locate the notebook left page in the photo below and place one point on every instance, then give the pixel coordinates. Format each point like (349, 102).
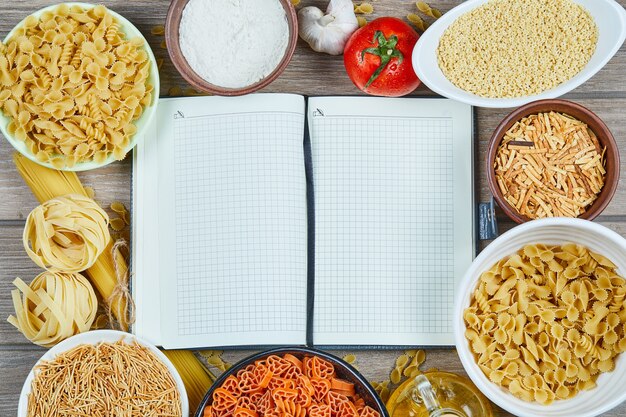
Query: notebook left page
(232, 223)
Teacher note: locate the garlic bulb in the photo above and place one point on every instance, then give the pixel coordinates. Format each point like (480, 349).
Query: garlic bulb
(328, 32)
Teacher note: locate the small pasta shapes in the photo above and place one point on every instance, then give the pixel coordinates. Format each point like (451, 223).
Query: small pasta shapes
(547, 321)
(425, 8)
(66, 69)
(287, 386)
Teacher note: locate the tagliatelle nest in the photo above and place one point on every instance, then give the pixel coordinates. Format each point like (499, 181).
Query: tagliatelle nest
(66, 233)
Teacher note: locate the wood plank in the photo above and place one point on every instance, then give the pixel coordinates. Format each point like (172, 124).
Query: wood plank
(15, 364)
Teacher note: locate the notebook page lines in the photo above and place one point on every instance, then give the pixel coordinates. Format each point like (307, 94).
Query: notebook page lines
(240, 215)
(384, 251)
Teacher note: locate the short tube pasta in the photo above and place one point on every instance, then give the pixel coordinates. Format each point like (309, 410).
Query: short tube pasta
(66, 234)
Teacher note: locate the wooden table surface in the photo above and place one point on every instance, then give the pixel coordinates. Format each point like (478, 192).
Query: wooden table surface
(308, 73)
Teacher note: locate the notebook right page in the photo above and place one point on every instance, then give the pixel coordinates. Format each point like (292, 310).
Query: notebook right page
(394, 218)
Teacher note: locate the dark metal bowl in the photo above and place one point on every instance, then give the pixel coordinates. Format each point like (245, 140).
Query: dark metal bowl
(344, 371)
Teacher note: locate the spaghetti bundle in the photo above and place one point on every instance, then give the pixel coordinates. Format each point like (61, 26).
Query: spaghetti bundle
(66, 233)
(53, 307)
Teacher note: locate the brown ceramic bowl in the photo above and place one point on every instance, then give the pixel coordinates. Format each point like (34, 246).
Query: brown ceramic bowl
(172, 23)
(581, 113)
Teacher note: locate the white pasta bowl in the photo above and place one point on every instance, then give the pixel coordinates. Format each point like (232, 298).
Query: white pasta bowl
(609, 391)
(610, 19)
(93, 338)
(142, 123)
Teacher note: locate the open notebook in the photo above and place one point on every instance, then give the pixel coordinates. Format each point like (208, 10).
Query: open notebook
(250, 230)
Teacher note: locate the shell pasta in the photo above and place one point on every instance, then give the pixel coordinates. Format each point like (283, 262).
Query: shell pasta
(547, 321)
(73, 85)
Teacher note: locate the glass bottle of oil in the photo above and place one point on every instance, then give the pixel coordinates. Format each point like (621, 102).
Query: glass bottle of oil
(438, 394)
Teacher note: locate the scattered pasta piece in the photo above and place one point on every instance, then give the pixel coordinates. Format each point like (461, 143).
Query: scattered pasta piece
(396, 376)
(118, 224)
(361, 20)
(72, 85)
(159, 63)
(118, 207)
(158, 30)
(417, 21)
(350, 358)
(427, 10)
(175, 92)
(91, 193)
(66, 234)
(546, 321)
(53, 307)
(126, 217)
(295, 3)
(364, 8)
(163, 45)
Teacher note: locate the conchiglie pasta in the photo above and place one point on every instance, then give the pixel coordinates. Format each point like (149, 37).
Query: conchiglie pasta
(546, 321)
(69, 64)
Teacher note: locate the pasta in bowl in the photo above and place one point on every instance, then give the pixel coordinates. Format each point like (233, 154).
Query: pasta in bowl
(78, 85)
(540, 319)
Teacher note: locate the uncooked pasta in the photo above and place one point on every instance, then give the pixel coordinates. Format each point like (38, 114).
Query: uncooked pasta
(116, 379)
(66, 233)
(53, 307)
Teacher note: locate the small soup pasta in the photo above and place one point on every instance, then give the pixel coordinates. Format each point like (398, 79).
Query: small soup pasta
(73, 85)
(547, 321)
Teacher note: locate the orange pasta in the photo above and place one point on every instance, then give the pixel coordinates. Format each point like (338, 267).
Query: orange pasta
(287, 387)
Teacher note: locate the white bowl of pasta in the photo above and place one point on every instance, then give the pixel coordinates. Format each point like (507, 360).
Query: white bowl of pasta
(524, 332)
(79, 85)
(129, 363)
(551, 334)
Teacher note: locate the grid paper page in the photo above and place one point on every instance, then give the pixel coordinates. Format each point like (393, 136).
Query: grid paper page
(384, 228)
(240, 240)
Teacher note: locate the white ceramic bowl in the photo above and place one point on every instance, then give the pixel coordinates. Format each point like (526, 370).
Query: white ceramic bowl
(142, 123)
(609, 16)
(93, 338)
(610, 386)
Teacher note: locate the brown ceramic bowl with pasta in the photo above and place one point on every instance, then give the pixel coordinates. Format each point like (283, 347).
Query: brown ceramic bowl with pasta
(582, 114)
(172, 38)
(140, 121)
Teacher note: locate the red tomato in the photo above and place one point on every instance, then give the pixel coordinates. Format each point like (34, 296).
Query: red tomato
(378, 57)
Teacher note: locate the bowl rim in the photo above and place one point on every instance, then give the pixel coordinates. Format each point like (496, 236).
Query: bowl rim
(295, 349)
(148, 112)
(182, 66)
(421, 59)
(94, 337)
(604, 136)
(499, 395)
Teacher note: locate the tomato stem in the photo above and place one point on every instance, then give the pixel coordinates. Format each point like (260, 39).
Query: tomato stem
(386, 50)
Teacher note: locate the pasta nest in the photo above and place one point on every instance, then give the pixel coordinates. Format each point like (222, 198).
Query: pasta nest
(66, 234)
(53, 307)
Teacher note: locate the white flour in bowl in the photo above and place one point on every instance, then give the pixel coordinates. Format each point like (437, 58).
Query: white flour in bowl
(233, 43)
